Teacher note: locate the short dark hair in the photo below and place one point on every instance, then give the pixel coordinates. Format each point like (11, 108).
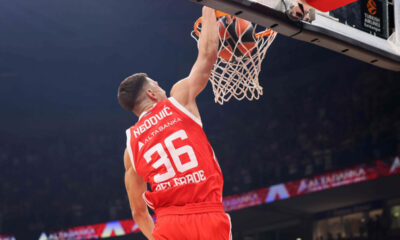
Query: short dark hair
(129, 90)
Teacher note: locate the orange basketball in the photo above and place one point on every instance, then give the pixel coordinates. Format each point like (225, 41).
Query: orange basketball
(233, 30)
(226, 43)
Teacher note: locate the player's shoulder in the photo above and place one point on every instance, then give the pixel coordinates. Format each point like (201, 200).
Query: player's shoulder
(190, 110)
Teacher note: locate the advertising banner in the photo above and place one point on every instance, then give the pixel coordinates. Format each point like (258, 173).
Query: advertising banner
(370, 16)
(5, 237)
(101, 230)
(308, 185)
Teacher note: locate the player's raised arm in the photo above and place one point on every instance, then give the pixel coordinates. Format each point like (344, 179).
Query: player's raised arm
(135, 187)
(186, 90)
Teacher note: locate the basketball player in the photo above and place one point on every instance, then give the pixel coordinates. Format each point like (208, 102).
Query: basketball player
(168, 149)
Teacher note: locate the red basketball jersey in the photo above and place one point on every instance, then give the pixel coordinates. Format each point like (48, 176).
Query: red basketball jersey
(169, 149)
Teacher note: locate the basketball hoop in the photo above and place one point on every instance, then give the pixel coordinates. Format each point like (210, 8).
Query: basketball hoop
(237, 76)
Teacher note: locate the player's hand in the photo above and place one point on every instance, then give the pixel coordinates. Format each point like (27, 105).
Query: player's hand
(208, 11)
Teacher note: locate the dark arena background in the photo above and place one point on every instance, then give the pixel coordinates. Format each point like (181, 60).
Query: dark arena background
(316, 158)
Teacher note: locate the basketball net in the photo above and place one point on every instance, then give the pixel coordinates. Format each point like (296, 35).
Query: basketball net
(238, 76)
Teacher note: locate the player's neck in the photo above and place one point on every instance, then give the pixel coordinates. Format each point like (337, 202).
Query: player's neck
(146, 107)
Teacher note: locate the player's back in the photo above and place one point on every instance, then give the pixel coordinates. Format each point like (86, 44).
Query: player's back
(170, 150)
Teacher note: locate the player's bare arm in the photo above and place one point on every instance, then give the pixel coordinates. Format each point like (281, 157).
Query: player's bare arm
(186, 90)
(135, 187)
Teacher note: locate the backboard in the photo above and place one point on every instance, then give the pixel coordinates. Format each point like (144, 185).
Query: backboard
(352, 30)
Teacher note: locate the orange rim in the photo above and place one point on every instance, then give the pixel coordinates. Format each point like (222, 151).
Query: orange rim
(218, 14)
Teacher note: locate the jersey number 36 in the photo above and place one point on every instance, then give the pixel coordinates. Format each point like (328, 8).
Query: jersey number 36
(175, 154)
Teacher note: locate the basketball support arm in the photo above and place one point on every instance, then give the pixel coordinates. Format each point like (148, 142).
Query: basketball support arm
(321, 29)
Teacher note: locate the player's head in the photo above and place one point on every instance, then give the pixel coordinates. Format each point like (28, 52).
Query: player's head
(138, 91)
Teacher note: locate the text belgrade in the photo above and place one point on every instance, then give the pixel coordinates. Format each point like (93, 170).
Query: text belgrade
(195, 177)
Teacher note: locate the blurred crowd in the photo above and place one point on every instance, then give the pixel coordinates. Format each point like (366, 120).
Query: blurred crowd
(75, 177)
(323, 127)
(61, 182)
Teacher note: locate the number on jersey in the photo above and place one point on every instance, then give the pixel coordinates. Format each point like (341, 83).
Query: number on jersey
(175, 154)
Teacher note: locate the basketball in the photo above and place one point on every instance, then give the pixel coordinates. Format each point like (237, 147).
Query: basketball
(226, 44)
(237, 37)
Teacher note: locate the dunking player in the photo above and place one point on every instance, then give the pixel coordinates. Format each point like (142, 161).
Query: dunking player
(168, 149)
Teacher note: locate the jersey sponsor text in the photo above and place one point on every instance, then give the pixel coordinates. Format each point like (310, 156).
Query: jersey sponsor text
(151, 121)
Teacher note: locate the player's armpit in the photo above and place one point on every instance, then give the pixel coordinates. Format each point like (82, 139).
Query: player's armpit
(135, 187)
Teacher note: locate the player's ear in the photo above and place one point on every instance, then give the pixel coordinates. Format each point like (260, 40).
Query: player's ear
(151, 94)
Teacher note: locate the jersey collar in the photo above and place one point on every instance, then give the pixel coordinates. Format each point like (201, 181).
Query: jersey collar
(144, 112)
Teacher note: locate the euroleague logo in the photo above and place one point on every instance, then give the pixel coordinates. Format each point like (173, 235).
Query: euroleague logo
(371, 6)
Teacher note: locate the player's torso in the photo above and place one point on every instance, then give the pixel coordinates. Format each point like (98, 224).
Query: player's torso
(171, 152)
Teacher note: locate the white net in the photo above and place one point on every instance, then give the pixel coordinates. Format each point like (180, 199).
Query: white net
(235, 74)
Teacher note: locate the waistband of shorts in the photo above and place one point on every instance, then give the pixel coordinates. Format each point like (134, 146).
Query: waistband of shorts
(191, 208)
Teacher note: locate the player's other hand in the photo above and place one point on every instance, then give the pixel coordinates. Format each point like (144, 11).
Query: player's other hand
(207, 10)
